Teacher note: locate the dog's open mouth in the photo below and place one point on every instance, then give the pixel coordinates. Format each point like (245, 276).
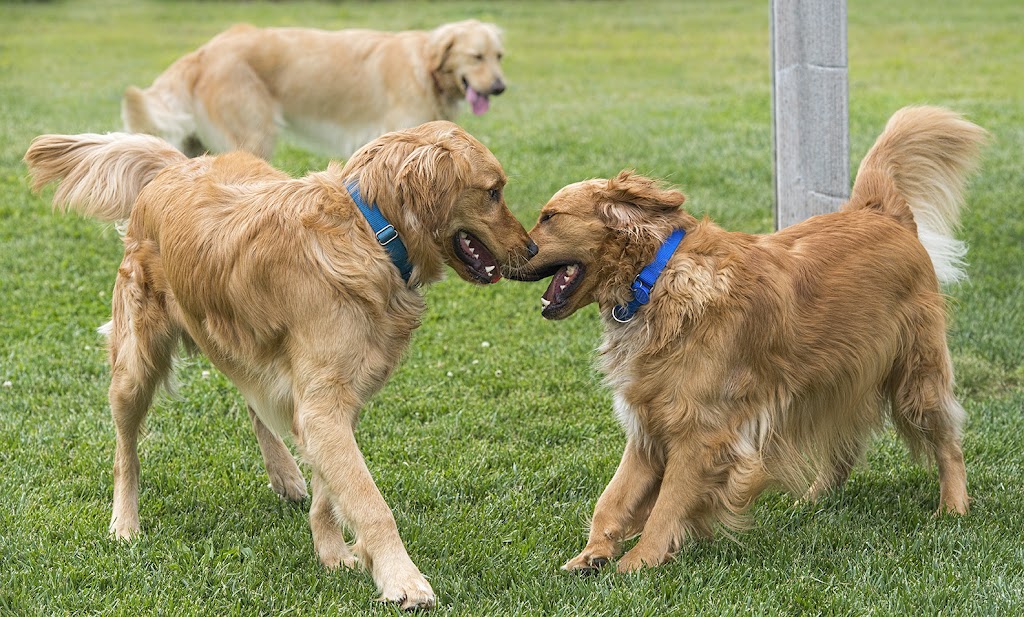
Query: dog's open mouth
(480, 262)
(563, 283)
(477, 100)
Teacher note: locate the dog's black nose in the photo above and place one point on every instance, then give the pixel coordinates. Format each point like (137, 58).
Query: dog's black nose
(498, 87)
(531, 249)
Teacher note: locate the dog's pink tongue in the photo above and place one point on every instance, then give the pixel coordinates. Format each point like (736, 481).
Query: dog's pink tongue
(479, 102)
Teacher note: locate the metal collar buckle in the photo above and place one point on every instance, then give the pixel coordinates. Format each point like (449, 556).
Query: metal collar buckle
(386, 235)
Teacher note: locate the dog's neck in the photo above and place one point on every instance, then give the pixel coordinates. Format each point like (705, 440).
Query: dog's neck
(626, 254)
(386, 234)
(421, 233)
(417, 225)
(448, 90)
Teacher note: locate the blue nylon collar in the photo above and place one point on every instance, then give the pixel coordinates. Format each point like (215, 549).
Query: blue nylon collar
(644, 282)
(386, 233)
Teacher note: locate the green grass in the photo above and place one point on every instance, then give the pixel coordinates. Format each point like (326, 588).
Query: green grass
(493, 471)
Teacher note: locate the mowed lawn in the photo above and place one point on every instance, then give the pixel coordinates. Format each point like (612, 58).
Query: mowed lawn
(494, 439)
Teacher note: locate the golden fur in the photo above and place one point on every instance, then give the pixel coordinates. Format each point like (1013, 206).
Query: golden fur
(333, 90)
(282, 284)
(766, 360)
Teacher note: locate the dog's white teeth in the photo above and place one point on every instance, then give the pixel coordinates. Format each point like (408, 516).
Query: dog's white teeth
(570, 270)
(544, 302)
(489, 269)
(562, 288)
(462, 235)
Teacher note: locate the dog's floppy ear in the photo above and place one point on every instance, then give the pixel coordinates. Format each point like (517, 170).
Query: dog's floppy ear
(430, 176)
(407, 168)
(629, 201)
(440, 44)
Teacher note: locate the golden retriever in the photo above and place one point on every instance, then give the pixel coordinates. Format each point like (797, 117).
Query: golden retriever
(332, 90)
(765, 360)
(283, 285)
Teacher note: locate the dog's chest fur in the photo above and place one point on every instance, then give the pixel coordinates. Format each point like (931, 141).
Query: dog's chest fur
(654, 365)
(625, 367)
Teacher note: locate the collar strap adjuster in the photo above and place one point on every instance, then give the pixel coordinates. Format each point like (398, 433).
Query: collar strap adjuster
(642, 290)
(386, 235)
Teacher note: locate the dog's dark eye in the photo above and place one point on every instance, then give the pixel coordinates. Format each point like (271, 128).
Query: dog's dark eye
(545, 217)
(495, 194)
(500, 56)
(479, 57)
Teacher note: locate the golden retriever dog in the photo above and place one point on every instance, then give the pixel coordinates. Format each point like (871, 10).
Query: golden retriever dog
(283, 284)
(765, 360)
(332, 90)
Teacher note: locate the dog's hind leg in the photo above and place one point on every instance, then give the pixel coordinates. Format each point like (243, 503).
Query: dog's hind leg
(622, 509)
(237, 110)
(928, 416)
(328, 537)
(285, 477)
(142, 341)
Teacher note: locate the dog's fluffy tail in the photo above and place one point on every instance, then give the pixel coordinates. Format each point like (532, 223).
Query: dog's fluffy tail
(99, 175)
(135, 112)
(164, 112)
(921, 162)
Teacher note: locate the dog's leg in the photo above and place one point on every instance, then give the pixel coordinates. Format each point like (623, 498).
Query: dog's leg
(325, 430)
(830, 476)
(142, 342)
(328, 539)
(621, 510)
(635, 524)
(929, 418)
(284, 474)
(949, 455)
(705, 481)
(680, 492)
(239, 111)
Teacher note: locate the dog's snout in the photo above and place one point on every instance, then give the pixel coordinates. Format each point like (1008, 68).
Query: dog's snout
(531, 249)
(497, 87)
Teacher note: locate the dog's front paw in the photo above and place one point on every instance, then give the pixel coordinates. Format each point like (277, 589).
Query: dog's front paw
(586, 562)
(411, 593)
(124, 528)
(334, 552)
(635, 560)
(953, 507)
(288, 484)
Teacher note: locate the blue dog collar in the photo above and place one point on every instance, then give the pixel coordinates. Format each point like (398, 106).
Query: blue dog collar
(644, 282)
(386, 233)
